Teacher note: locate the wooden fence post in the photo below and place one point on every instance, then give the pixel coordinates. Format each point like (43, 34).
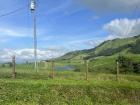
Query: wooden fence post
(13, 66)
(117, 74)
(86, 65)
(52, 69)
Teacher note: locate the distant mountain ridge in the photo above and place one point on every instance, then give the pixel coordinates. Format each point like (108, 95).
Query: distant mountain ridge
(107, 48)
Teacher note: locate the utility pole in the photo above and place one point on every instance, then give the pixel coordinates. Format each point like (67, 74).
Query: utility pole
(33, 11)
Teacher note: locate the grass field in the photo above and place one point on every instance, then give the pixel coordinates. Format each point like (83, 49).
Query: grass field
(67, 88)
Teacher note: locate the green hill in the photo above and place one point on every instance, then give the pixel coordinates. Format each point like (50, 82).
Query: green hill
(108, 48)
(103, 57)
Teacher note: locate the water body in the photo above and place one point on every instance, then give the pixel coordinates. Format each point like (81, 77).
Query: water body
(62, 68)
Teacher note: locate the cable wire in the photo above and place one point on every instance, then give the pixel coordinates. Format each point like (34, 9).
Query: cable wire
(13, 12)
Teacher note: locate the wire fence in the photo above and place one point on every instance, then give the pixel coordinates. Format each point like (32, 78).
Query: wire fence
(67, 69)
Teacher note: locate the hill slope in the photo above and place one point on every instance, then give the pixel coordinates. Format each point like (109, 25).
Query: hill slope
(108, 48)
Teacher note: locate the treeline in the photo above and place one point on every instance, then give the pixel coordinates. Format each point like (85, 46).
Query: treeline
(9, 64)
(128, 65)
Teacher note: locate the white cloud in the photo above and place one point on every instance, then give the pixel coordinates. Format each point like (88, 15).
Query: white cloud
(14, 32)
(28, 54)
(8, 33)
(112, 5)
(87, 42)
(94, 42)
(110, 37)
(123, 28)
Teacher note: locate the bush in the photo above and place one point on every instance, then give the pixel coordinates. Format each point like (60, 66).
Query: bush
(128, 65)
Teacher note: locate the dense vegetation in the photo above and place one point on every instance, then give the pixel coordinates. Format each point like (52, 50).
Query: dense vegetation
(128, 65)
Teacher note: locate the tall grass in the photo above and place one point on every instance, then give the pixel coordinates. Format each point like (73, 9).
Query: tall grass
(67, 88)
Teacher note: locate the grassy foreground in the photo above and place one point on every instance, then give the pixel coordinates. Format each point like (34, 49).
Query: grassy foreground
(68, 88)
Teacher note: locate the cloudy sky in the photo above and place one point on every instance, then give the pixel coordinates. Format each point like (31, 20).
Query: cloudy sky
(64, 25)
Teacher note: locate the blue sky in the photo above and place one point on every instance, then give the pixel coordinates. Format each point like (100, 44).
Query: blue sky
(67, 24)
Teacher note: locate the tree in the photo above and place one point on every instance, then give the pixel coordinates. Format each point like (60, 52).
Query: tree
(128, 65)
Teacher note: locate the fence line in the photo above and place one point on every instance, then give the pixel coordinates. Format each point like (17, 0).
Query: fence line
(43, 65)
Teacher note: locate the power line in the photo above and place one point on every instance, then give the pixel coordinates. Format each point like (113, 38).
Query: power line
(13, 12)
